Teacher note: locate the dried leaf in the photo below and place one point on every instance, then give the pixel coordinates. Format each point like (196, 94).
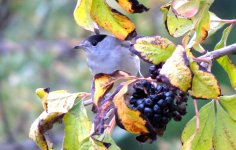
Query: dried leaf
(204, 84)
(185, 8)
(153, 49)
(41, 125)
(176, 69)
(132, 6)
(103, 83)
(112, 20)
(130, 120)
(176, 26)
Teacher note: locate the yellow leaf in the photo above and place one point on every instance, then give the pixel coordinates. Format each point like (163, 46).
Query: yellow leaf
(132, 6)
(204, 84)
(127, 118)
(102, 84)
(112, 20)
(82, 15)
(176, 69)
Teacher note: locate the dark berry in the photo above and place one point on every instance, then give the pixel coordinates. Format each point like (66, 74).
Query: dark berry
(169, 94)
(160, 102)
(140, 107)
(139, 101)
(148, 111)
(148, 102)
(169, 100)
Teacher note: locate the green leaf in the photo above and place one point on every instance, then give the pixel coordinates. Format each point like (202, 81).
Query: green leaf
(201, 28)
(77, 127)
(176, 69)
(225, 131)
(82, 15)
(112, 20)
(203, 138)
(214, 25)
(153, 49)
(102, 142)
(186, 9)
(229, 103)
(204, 84)
(225, 61)
(176, 26)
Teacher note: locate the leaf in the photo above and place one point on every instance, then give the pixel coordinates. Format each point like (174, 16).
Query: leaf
(112, 20)
(176, 26)
(82, 15)
(203, 138)
(153, 49)
(41, 125)
(132, 6)
(201, 28)
(106, 143)
(176, 69)
(126, 118)
(102, 84)
(225, 61)
(57, 101)
(225, 131)
(77, 127)
(229, 103)
(214, 25)
(204, 84)
(185, 8)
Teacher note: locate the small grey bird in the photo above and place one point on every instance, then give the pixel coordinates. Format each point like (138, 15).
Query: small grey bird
(106, 54)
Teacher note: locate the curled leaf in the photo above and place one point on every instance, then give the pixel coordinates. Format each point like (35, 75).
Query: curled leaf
(185, 8)
(176, 26)
(103, 83)
(131, 120)
(41, 125)
(132, 6)
(153, 49)
(57, 101)
(82, 15)
(176, 69)
(204, 84)
(112, 20)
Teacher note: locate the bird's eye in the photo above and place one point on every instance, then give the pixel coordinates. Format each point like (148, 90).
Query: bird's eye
(94, 43)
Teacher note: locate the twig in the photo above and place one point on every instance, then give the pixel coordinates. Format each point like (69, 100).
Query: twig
(229, 21)
(111, 126)
(231, 49)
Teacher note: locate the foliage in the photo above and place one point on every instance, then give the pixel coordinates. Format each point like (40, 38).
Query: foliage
(180, 68)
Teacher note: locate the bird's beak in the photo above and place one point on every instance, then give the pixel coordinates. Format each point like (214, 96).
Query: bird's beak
(83, 45)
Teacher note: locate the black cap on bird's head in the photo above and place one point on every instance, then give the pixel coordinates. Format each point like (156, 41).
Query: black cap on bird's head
(92, 40)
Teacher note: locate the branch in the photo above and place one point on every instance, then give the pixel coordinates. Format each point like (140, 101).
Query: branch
(231, 49)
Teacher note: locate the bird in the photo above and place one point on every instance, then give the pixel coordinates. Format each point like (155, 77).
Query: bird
(106, 54)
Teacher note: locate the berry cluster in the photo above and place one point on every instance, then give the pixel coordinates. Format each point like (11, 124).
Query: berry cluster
(154, 70)
(159, 104)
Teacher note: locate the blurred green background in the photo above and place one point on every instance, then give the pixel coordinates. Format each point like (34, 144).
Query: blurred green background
(36, 50)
